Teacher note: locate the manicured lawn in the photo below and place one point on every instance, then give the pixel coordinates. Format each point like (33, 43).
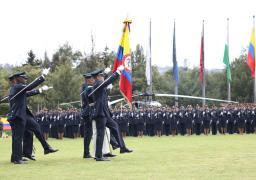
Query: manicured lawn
(195, 157)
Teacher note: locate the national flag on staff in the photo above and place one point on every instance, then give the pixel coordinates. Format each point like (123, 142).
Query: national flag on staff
(202, 56)
(123, 57)
(175, 67)
(251, 53)
(226, 62)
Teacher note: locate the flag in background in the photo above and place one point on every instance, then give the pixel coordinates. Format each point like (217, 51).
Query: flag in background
(175, 67)
(251, 53)
(123, 57)
(148, 59)
(202, 57)
(6, 125)
(226, 62)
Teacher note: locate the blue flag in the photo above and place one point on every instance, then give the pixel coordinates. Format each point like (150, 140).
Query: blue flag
(175, 67)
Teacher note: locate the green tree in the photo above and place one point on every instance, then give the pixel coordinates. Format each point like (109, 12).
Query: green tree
(242, 82)
(66, 86)
(65, 55)
(31, 60)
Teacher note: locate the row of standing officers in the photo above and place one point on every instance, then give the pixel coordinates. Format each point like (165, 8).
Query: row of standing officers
(155, 121)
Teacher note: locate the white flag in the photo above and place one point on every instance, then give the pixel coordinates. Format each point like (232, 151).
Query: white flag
(148, 59)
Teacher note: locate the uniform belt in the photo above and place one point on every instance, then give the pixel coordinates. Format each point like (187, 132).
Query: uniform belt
(92, 104)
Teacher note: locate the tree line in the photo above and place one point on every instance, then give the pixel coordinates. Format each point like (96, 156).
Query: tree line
(67, 66)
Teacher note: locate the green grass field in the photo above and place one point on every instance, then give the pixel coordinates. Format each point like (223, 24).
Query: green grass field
(195, 157)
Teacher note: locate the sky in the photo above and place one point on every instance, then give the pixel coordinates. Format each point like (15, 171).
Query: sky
(44, 25)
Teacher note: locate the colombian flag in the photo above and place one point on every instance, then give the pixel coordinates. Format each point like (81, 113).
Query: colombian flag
(123, 57)
(6, 125)
(251, 54)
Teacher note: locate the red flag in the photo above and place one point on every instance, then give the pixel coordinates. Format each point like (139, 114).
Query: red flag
(202, 57)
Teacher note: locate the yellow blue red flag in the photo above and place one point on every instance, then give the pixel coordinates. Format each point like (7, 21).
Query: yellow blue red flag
(123, 57)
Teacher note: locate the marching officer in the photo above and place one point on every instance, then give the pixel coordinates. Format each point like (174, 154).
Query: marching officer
(103, 114)
(86, 112)
(20, 117)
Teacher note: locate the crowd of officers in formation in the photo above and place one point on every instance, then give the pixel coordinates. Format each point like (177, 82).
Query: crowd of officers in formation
(152, 121)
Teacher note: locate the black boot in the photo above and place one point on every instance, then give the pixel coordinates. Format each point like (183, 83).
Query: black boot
(125, 150)
(50, 150)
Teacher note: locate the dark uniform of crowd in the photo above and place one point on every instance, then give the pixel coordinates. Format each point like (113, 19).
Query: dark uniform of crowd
(59, 123)
(153, 121)
(187, 121)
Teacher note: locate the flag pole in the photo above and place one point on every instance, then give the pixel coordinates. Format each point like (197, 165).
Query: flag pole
(229, 85)
(254, 62)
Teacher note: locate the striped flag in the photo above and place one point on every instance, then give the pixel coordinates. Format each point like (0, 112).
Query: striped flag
(123, 57)
(251, 53)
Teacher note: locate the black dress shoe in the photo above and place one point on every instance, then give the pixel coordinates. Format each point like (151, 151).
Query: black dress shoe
(31, 157)
(101, 159)
(125, 150)
(50, 150)
(115, 147)
(19, 162)
(109, 155)
(87, 156)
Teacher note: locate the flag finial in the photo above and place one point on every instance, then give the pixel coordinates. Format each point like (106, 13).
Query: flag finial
(127, 20)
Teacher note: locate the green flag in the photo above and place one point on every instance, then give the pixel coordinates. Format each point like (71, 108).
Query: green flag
(226, 62)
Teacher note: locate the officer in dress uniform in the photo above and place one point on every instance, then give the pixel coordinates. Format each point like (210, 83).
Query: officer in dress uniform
(248, 121)
(86, 112)
(230, 119)
(198, 120)
(167, 122)
(174, 121)
(214, 120)
(140, 125)
(241, 120)
(182, 125)
(206, 121)
(189, 120)
(61, 123)
(131, 123)
(222, 120)
(76, 122)
(20, 116)
(121, 118)
(103, 115)
(45, 120)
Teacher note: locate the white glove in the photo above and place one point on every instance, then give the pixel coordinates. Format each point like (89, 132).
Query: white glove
(107, 70)
(120, 69)
(45, 71)
(44, 88)
(110, 86)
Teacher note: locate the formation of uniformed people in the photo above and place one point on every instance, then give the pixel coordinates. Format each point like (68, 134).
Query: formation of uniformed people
(60, 123)
(153, 121)
(199, 120)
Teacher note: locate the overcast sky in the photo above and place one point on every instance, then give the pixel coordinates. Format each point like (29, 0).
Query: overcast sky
(44, 25)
